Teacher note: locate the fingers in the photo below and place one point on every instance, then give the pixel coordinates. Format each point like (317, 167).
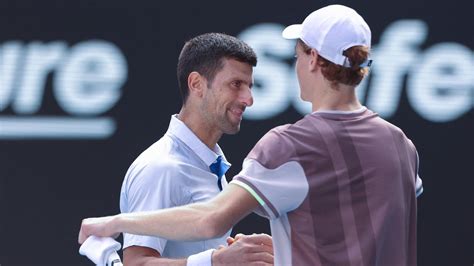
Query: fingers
(260, 248)
(82, 235)
(256, 244)
(238, 236)
(85, 230)
(230, 240)
(96, 226)
(80, 238)
(263, 239)
(246, 250)
(261, 257)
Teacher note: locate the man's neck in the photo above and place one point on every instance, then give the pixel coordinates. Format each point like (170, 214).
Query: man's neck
(199, 126)
(340, 99)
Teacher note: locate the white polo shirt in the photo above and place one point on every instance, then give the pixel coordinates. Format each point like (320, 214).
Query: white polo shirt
(174, 171)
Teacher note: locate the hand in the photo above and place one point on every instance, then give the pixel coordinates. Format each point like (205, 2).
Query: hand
(103, 226)
(256, 249)
(230, 240)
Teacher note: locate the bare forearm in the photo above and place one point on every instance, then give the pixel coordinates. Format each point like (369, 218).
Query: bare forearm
(185, 223)
(145, 256)
(150, 261)
(192, 222)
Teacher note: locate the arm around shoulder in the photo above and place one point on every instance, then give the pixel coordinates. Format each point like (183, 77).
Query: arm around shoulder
(208, 219)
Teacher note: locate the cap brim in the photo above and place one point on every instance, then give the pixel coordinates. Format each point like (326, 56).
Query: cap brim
(292, 31)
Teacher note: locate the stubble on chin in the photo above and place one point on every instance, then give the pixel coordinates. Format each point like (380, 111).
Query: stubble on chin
(228, 127)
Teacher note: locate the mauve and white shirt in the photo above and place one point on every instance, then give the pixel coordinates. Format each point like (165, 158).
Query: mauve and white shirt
(339, 188)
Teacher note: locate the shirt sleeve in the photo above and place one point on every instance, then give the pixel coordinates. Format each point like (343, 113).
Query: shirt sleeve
(272, 174)
(419, 182)
(149, 187)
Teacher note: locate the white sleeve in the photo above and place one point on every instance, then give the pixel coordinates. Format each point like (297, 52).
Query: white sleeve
(419, 186)
(149, 187)
(418, 183)
(201, 259)
(272, 174)
(278, 190)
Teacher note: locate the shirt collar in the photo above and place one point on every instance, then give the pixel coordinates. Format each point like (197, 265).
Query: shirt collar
(358, 111)
(179, 129)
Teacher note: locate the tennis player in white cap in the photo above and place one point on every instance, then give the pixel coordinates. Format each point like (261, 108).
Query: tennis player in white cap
(339, 186)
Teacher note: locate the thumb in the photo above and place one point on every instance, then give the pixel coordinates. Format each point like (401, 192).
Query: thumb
(230, 240)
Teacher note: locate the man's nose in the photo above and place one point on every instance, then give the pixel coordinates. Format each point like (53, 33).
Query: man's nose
(247, 97)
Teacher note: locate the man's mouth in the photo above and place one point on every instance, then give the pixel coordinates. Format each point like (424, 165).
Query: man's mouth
(238, 111)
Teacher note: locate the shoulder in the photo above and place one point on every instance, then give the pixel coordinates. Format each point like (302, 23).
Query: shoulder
(273, 138)
(157, 162)
(395, 130)
(398, 134)
(274, 148)
(157, 179)
(284, 135)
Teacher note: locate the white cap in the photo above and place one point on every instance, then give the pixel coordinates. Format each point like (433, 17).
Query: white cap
(331, 30)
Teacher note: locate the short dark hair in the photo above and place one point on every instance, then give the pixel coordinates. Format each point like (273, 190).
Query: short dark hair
(338, 74)
(205, 53)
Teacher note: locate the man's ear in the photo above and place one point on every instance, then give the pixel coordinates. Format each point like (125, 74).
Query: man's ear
(196, 84)
(313, 62)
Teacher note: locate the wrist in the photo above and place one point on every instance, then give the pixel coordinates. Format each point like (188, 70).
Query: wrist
(216, 257)
(116, 224)
(203, 258)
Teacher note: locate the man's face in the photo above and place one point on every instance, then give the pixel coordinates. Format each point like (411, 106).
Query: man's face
(226, 98)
